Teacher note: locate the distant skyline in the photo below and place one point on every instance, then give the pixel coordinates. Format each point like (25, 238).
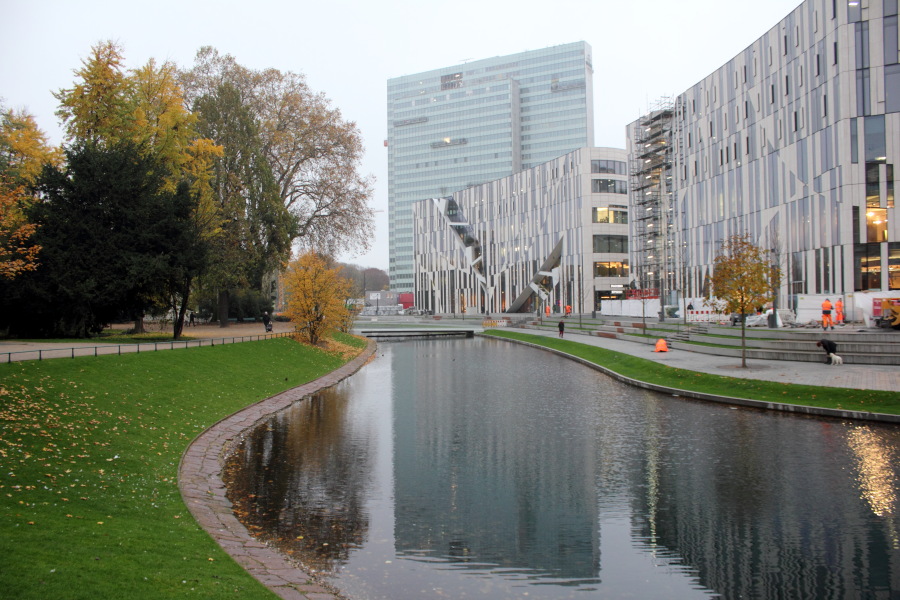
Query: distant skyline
(642, 50)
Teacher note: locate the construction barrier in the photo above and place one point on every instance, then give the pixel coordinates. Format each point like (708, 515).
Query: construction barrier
(495, 323)
(703, 316)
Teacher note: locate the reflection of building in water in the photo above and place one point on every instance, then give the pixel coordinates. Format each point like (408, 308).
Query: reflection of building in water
(770, 520)
(491, 489)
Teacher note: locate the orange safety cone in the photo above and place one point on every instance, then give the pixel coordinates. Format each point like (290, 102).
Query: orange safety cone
(661, 346)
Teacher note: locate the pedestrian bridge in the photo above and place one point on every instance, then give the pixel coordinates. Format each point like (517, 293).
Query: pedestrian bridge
(417, 333)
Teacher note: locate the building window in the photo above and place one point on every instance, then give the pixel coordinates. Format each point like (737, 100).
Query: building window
(615, 167)
(876, 225)
(890, 38)
(889, 177)
(894, 266)
(854, 142)
(876, 149)
(610, 215)
(609, 186)
(866, 267)
(611, 243)
(892, 88)
(873, 185)
(617, 268)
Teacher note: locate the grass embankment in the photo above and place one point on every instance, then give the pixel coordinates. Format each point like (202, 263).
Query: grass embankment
(752, 389)
(89, 451)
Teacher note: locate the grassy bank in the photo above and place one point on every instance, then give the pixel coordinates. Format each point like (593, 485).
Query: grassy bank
(89, 450)
(767, 391)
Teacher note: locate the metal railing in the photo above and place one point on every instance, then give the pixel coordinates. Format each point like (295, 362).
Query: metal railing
(102, 349)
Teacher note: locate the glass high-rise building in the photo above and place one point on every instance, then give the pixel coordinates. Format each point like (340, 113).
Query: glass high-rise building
(460, 126)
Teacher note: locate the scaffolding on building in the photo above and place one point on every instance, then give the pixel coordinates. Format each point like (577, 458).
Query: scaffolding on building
(653, 222)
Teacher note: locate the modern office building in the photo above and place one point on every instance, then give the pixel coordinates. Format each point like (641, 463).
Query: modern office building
(794, 141)
(553, 235)
(461, 126)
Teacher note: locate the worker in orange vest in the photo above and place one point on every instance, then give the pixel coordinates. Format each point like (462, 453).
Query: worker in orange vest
(826, 315)
(839, 311)
(568, 310)
(547, 311)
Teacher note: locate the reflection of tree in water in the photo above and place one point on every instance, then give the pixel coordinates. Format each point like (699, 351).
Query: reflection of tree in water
(296, 482)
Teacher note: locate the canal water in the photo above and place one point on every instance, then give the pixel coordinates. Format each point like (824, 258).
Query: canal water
(482, 469)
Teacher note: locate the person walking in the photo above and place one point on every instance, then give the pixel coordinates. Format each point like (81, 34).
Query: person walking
(839, 311)
(829, 347)
(826, 315)
(562, 328)
(267, 321)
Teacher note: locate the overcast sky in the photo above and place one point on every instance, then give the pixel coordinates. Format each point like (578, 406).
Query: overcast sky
(348, 49)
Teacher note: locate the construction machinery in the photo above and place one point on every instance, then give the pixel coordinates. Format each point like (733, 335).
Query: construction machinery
(887, 312)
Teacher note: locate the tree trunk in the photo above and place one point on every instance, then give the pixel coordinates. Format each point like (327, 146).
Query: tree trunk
(743, 341)
(223, 308)
(178, 325)
(139, 323)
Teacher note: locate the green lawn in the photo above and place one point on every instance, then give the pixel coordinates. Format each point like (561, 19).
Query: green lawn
(767, 391)
(89, 451)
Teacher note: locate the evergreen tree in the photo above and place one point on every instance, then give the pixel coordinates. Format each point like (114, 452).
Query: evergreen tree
(114, 242)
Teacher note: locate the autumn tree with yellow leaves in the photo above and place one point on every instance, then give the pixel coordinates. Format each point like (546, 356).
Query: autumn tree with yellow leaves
(743, 279)
(24, 150)
(317, 297)
(16, 254)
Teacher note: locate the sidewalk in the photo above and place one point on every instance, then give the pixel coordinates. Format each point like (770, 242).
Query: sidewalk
(206, 334)
(861, 377)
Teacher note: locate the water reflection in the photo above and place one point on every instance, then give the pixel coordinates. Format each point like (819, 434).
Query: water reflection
(479, 469)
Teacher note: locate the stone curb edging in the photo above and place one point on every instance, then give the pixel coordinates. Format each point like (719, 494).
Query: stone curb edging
(203, 491)
(789, 408)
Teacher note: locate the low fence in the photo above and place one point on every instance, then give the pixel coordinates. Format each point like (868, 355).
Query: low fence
(136, 347)
(496, 323)
(705, 316)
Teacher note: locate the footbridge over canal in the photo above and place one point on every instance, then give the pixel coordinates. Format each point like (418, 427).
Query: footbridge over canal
(416, 333)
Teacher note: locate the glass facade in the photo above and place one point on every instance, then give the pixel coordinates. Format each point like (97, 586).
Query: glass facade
(456, 127)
